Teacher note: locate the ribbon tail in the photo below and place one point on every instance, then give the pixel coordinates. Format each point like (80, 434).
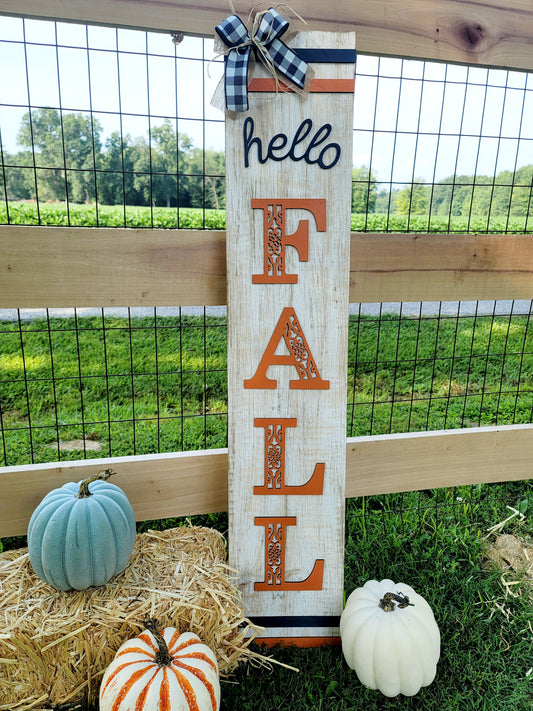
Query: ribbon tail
(236, 79)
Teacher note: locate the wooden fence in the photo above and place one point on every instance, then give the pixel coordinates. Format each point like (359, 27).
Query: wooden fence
(66, 267)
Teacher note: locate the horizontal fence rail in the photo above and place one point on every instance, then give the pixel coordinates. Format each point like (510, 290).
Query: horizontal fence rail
(189, 483)
(490, 33)
(77, 266)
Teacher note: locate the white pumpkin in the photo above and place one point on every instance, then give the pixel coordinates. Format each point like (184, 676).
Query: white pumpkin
(161, 669)
(390, 637)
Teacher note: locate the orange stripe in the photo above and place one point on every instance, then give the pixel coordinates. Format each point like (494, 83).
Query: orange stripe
(147, 637)
(165, 703)
(322, 86)
(303, 642)
(199, 674)
(118, 669)
(175, 637)
(187, 689)
(126, 687)
(197, 655)
(139, 706)
(183, 645)
(134, 650)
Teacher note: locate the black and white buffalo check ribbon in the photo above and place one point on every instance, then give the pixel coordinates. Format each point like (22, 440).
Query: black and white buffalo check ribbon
(264, 41)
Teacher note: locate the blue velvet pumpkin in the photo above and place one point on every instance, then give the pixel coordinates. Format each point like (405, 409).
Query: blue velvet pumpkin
(81, 534)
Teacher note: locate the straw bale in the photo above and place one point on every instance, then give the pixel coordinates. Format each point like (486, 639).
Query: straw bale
(55, 646)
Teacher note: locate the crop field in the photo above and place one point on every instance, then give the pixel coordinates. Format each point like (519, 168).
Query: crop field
(75, 215)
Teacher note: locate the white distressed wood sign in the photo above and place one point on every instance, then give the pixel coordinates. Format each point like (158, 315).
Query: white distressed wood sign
(288, 173)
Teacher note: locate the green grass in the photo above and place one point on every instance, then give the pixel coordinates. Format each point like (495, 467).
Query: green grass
(53, 214)
(485, 655)
(123, 392)
(460, 373)
(406, 374)
(161, 385)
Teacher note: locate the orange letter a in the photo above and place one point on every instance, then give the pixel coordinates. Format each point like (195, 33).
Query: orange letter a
(288, 328)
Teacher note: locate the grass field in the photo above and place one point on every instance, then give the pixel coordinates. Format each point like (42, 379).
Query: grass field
(148, 385)
(74, 215)
(159, 384)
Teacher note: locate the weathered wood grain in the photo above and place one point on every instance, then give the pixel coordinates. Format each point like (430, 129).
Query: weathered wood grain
(429, 460)
(157, 485)
(50, 266)
(314, 214)
(492, 33)
(448, 267)
(66, 267)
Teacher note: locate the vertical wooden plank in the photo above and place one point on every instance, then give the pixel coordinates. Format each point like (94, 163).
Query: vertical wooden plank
(288, 198)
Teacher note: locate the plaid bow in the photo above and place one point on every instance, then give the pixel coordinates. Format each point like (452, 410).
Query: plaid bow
(264, 41)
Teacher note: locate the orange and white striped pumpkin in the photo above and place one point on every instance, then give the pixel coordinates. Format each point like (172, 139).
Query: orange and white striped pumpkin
(162, 670)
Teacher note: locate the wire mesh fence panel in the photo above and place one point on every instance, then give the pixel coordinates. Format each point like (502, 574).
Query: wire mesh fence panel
(113, 127)
(103, 126)
(437, 367)
(122, 383)
(107, 385)
(108, 127)
(443, 148)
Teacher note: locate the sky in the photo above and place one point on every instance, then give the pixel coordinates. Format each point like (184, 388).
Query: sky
(412, 119)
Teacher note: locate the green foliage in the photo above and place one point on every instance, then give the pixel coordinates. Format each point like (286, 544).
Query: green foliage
(364, 190)
(191, 218)
(63, 159)
(111, 216)
(65, 146)
(413, 200)
(394, 222)
(506, 198)
(386, 201)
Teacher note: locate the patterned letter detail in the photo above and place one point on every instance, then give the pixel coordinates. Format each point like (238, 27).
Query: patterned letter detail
(275, 239)
(275, 535)
(288, 328)
(274, 482)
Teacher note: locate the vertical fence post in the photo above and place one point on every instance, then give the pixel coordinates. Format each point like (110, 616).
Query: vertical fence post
(289, 161)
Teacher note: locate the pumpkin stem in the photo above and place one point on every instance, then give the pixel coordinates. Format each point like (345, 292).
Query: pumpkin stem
(84, 492)
(163, 657)
(387, 605)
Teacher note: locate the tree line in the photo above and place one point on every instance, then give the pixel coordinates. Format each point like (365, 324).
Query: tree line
(508, 193)
(63, 157)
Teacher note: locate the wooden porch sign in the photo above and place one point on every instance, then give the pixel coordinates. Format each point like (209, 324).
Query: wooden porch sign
(288, 172)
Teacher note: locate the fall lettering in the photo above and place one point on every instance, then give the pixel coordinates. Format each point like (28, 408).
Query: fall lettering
(300, 356)
(274, 476)
(275, 535)
(275, 238)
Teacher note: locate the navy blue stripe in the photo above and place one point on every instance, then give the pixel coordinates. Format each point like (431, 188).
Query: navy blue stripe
(327, 56)
(290, 621)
